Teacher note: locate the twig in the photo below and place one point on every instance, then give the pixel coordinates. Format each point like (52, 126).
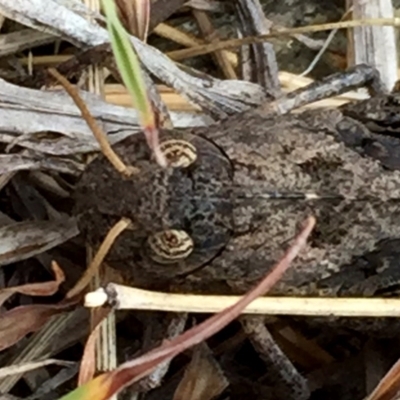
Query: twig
(97, 132)
(175, 327)
(129, 298)
(264, 67)
(288, 382)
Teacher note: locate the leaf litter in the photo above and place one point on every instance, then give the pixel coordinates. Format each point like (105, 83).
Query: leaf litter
(218, 97)
(22, 240)
(25, 125)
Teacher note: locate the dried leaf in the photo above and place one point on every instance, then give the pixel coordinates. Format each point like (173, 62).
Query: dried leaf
(20, 321)
(98, 259)
(22, 240)
(135, 16)
(36, 289)
(203, 378)
(49, 183)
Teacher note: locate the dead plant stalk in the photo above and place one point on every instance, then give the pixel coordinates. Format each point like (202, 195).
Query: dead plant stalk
(100, 136)
(128, 298)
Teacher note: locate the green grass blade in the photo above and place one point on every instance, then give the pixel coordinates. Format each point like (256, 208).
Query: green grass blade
(130, 70)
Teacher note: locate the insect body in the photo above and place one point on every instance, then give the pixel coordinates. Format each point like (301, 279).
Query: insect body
(232, 199)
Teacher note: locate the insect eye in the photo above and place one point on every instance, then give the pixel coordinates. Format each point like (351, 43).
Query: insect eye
(179, 153)
(170, 246)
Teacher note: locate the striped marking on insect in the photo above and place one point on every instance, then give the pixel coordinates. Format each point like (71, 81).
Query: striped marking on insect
(170, 246)
(179, 153)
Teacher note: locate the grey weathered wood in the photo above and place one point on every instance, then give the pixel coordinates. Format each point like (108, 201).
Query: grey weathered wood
(374, 45)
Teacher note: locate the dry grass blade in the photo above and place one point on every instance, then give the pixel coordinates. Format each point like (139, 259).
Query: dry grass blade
(188, 40)
(10, 163)
(20, 321)
(229, 44)
(30, 366)
(97, 132)
(389, 386)
(135, 16)
(211, 36)
(114, 232)
(22, 240)
(57, 334)
(325, 46)
(88, 361)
